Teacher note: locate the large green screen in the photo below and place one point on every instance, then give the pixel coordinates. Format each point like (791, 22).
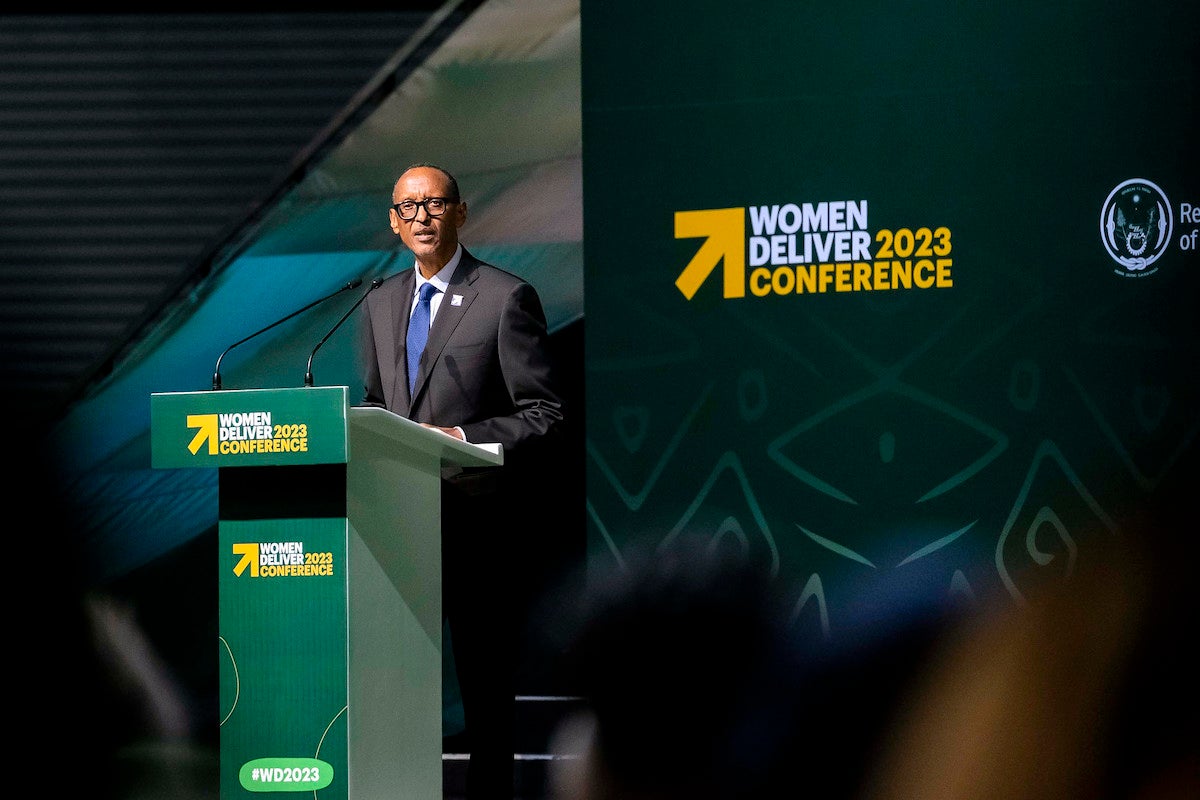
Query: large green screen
(900, 298)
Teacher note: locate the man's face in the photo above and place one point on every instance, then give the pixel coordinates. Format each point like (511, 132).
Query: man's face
(431, 239)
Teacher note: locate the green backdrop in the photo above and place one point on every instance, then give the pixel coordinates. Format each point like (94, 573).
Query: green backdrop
(996, 366)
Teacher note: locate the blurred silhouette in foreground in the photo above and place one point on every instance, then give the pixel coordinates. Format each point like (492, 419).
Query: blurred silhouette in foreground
(103, 712)
(1086, 690)
(694, 687)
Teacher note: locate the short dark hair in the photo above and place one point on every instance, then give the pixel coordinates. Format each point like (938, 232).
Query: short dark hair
(455, 196)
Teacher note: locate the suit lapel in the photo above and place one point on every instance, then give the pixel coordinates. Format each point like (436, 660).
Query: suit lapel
(401, 307)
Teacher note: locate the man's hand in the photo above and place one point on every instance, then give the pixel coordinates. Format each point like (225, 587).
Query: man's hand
(452, 432)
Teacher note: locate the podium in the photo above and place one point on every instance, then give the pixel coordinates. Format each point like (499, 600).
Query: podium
(330, 586)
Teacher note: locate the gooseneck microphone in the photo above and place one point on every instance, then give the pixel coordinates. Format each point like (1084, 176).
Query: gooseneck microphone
(308, 376)
(354, 284)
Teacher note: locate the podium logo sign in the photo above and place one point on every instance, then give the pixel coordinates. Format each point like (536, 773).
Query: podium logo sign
(280, 560)
(245, 432)
(810, 248)
(252, 427)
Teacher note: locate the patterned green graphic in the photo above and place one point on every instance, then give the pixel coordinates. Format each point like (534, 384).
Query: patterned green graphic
(848, 304)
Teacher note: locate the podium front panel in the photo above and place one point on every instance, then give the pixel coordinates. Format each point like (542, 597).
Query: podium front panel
(283, 656)
(248, 427)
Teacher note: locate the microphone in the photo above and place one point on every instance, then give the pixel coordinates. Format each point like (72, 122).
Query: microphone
(354, 284)
(308, 376)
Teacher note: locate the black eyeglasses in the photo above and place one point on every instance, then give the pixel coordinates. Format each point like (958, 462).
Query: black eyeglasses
(434, 206)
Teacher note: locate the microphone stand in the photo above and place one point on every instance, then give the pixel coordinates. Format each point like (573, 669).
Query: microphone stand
(308, 376)
(217, 369)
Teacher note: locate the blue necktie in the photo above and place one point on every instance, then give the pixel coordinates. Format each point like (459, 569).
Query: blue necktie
(418, 334)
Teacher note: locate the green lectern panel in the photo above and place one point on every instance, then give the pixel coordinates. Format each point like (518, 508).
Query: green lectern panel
(249, 427)
(283, 657)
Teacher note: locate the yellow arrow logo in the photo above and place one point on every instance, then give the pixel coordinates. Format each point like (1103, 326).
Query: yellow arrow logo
(207, 424)
(249, 554)
(724, 230)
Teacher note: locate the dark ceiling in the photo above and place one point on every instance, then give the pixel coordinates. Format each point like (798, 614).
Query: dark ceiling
(134, 146)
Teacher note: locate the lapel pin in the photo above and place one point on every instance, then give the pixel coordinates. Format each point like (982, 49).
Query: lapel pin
(456, 300)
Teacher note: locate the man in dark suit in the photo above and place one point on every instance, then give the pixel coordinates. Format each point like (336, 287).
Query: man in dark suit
(485, 375)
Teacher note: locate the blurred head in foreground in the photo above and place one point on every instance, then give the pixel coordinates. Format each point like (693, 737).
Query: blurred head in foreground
(694, 687)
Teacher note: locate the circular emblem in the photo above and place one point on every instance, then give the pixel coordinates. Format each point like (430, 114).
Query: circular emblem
(1135, 225)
